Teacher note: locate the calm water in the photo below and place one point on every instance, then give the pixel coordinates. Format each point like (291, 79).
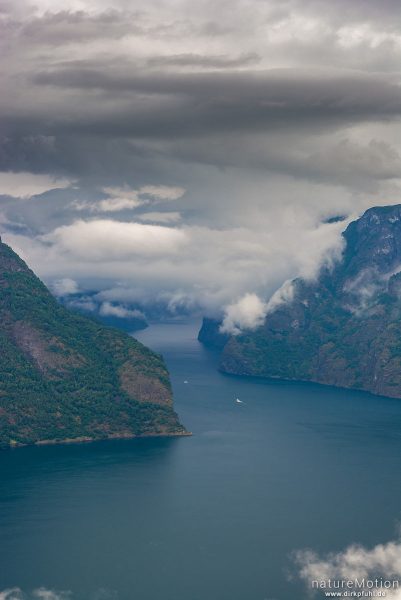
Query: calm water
(212, 517)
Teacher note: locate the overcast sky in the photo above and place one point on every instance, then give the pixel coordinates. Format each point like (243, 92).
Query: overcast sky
(189, 152)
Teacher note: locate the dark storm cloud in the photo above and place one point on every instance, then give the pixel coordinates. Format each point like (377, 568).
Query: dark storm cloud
(84, 90)
(69, 27)
(121, 104)
(159, 104)
(289, 86)
(271, 115)
(199, 60)
(78, 102)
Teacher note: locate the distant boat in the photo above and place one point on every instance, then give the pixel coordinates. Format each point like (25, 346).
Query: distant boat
(239, 401)
(185, 381)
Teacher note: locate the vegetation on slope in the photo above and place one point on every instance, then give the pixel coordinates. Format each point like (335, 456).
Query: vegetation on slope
(343, 329)
(65, 377)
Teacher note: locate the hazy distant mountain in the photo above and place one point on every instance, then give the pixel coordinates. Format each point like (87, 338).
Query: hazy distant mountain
(65, 377)
(343, 329)
(129, 319)
(131, 316)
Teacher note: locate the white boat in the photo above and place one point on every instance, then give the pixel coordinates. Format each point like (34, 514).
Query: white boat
(239, 401)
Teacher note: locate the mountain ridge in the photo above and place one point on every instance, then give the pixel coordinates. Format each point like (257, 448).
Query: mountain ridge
(344, 329)
(64, 377)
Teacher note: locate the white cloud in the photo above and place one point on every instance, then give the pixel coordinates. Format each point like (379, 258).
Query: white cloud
(65, 287)
(112, 204)
(113, 310)
(37, 594)
(84, 303)
(284, 294)
(45, 594)
(201, 269)
(127, 198)
(363, 290)
(162, 192)
(116, 204)
(107, 240)
(11, 594)
(246, 314)
(366, 35)
(25, 185)
(120, 198)
(354, 563)
(298, 28)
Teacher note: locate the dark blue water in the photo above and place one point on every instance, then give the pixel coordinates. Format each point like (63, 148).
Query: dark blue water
(211, 517)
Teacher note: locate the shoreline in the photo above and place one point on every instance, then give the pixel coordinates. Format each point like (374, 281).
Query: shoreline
(276, 378)
(88, 440)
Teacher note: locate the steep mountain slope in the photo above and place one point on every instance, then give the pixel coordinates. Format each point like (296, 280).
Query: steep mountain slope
(66, 377)
(343, 329)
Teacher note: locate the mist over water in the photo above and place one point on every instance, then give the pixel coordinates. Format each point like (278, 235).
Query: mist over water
(213, 517)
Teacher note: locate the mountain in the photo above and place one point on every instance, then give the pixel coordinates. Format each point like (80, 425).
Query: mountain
(64, 377)
(343, 329)
(210, 335)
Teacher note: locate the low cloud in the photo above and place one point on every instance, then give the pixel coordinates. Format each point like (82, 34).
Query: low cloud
(162, 192)
(246, 314)
(116, 204)
(107, 240)
(83, 303)
(25, 185)
(356, 563)
(43, 593)
(120, 198)
(191, 268)
(250, 311)
(38, 594)
(65, 287)
(107, 309)
(364, 289)
(283, 295)
(127, 198)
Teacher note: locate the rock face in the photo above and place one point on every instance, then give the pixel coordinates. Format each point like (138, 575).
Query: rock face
(210, 335)
(64, 377)
(343, 329)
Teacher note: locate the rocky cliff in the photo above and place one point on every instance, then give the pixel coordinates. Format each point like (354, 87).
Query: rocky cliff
(64, 377)
(344, 329)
